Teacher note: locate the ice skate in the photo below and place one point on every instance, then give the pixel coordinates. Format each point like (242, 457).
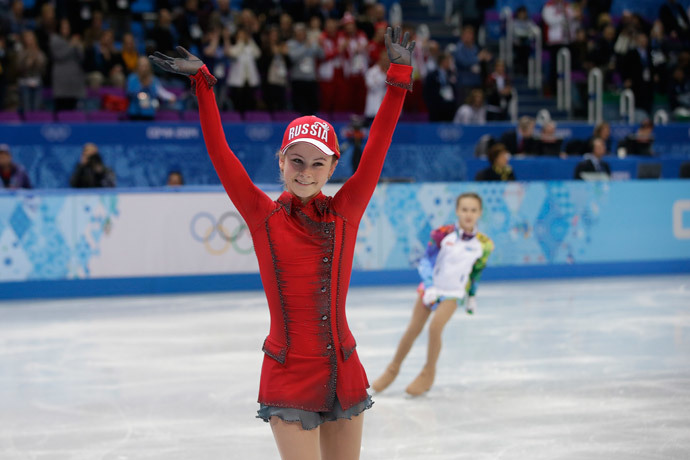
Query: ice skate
(386, 378)
(422, 383)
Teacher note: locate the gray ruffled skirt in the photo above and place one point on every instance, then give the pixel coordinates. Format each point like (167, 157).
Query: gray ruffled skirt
(311, 420)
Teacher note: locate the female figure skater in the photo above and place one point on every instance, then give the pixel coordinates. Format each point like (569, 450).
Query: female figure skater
(450, 269)
(313, 387)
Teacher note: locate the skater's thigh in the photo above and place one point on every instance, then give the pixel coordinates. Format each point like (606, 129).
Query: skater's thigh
(442, 314)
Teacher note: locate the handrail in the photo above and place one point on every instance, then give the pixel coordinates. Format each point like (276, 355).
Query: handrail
(564, 82)
(661, 117)
(505, 44)
(513, 106)
(534, 62)
(395, 15)
(595, 89)
(543, 116)
(626, 105)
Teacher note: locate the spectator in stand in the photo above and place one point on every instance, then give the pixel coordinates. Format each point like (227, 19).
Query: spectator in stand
(498, 92)
(31, 67)
(103, 63)
(227, 16)
(580, 52)
(521, 141)
(593, 162)
(376, 86)
(596, 10)
(330, 72)
(601, 131)
(303, 54)
(91, 172)
(274, 70)
(660, 50)
(46, 25)
(12, 175)
(470, 61)
(376, 44)
(175, 179)
(163, 36)
(248, 20)
(561, 20)
(679, 92)
(95, 29)
(17, 21)
(213, 49)
(603, 54)
(523, 27)
(353, 44)
(439, 90)
(473, 111)
(145, 91)
(69, 82)
(629, 25)
(499, 169)
(80, 14)
(286, 27)
(355, 135)
(549, 142)
(213, 46)
(675, 20)
(189, 22)
(432, 56)
(314, 29)
(414, 102)
(120, 14)
(243, 78)
(640, 142)
(129, 53)
(639, 73)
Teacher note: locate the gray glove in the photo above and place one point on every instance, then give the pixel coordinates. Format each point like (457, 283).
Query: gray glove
(399, 52)
(188, 64)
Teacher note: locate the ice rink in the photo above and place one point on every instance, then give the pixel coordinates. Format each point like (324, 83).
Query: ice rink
(578, 369)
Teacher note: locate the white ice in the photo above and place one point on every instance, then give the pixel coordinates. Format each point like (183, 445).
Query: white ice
(579, 369)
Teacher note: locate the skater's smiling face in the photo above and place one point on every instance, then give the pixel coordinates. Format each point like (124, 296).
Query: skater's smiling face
(305, 170)
(468, 210)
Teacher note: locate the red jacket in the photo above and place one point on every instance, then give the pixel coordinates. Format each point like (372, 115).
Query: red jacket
(305, 256)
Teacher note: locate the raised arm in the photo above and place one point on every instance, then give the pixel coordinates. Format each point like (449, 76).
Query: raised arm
(247, 198)
(352, 199)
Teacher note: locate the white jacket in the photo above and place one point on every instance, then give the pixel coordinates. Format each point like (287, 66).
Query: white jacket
(243, 68)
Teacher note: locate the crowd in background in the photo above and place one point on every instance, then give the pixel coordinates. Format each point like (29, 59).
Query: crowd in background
(327, 57)
(322, 55)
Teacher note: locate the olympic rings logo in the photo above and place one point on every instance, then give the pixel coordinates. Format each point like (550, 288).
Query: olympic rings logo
(229, 228)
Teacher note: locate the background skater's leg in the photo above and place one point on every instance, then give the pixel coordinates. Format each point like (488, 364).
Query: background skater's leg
(420, 314)
(425, 378)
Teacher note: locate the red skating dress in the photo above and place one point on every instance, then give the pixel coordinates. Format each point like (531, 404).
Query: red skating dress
(305, 254)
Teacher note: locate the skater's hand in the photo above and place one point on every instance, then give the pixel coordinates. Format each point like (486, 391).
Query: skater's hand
(430, 296)
(399, 52)
(188, 64)
(470, 305)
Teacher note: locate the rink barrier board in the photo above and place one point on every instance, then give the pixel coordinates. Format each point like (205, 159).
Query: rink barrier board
(106, 242)
(55, 289)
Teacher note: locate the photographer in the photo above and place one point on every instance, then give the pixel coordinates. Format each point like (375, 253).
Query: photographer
(91, 172)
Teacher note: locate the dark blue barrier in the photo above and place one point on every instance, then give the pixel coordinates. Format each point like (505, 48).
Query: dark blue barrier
(142, 153)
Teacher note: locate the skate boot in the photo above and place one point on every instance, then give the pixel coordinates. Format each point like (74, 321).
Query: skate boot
(422, 383)
(386, 378)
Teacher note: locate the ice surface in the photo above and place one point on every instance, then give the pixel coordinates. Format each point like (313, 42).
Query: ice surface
(578, 369)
